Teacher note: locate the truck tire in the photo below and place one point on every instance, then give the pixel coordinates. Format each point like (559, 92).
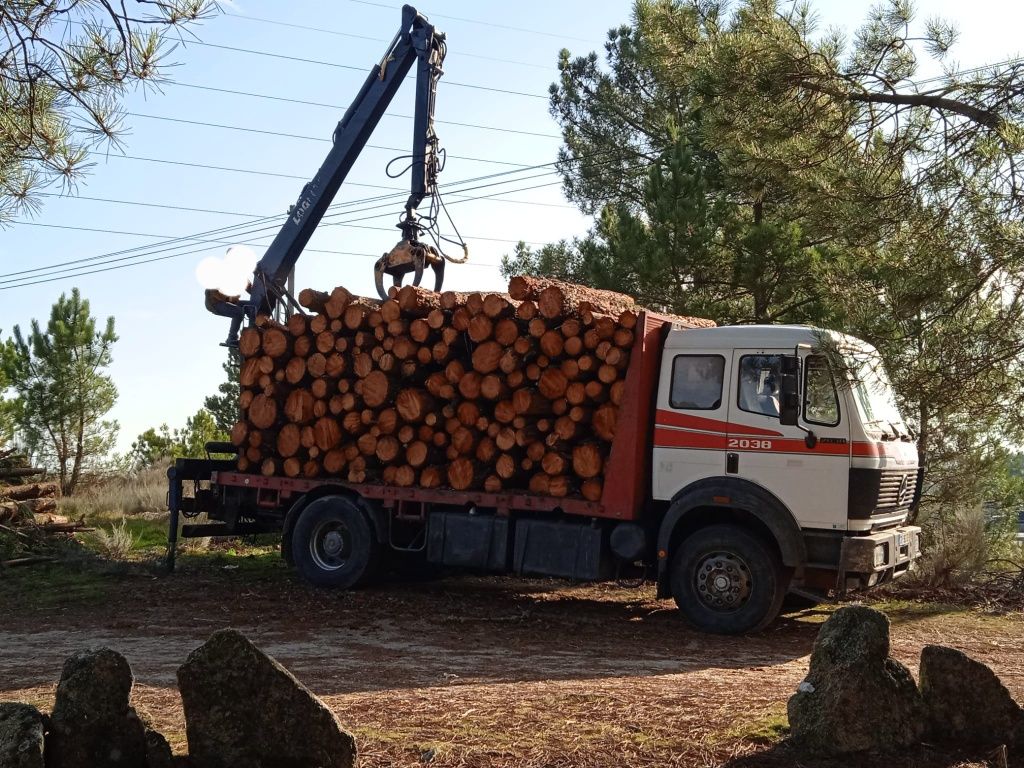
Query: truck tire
(333, 544)
(727, 581)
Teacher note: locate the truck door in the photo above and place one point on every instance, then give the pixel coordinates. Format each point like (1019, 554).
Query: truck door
(690, 428)
(809, 474)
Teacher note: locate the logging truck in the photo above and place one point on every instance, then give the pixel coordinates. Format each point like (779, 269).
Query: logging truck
(738, 463)
(553, 430)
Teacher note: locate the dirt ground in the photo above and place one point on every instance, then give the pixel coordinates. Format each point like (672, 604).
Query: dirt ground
(472, 671)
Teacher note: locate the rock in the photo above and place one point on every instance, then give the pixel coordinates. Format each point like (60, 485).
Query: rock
(855, 697)
(92, 722)
(965, 703)
(158, 751)
(244, 710)
(21, 736)
(854, 634)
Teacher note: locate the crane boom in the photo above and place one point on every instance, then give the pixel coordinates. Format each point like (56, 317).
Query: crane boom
(419, 43)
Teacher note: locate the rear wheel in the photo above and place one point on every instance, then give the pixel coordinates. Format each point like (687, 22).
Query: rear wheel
(727, 581)
(333, 544)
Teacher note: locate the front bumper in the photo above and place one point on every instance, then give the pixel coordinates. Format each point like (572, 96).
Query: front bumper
(869, 560)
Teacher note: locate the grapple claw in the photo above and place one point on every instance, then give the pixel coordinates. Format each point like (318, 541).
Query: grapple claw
(408, 256)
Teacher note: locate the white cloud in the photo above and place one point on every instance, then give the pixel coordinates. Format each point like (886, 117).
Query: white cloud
(228, 274)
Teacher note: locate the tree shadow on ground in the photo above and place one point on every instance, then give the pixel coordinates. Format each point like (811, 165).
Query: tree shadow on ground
(785, 755)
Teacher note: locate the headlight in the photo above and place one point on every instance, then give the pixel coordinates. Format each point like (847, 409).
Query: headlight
(881, 555)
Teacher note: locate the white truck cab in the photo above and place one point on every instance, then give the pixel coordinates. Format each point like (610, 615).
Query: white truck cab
(802, 445)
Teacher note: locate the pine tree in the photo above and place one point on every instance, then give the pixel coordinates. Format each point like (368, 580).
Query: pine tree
(62, 388)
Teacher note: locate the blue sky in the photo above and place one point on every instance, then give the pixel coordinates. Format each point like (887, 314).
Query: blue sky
(168, 358)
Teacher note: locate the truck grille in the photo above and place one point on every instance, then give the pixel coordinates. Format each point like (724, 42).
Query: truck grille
(896, 490)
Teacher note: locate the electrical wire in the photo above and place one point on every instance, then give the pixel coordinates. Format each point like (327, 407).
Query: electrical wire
(229, 169)
(354, 36)
(240, 214)
(337, 107)
(50, 279)
(319, 139)
(346, 207)
(338, 209)
(336, 65)
(332, 64)
(342, 208)
(119, 256)
(495, 25)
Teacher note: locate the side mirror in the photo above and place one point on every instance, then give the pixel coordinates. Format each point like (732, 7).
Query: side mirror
(789, 390)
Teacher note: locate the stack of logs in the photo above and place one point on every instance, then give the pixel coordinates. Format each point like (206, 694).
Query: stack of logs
(462, 390)
(23, 498)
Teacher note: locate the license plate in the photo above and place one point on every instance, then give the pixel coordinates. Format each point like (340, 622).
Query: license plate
(902, 540)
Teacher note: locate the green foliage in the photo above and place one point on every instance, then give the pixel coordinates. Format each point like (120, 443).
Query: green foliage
(62, 390)
(6, 406)
(188, 442)
(117, 542)
(746, 166)
(224, 405)
(65, 67)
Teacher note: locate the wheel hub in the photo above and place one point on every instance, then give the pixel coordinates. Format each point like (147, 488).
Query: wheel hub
(329, 545)
(723, 581)
(333, 543)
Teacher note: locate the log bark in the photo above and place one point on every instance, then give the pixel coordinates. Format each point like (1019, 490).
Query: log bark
(474, 391)
(312, 300)
(556, 298)
(31, 491)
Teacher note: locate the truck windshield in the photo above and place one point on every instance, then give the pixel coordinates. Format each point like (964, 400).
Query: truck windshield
(873, 392)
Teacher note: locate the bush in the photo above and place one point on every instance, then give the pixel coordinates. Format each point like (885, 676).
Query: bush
(962, 543)
(117, 543)
(132, 494)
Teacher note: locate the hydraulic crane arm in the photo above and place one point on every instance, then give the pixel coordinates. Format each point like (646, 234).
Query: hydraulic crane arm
(419, 43)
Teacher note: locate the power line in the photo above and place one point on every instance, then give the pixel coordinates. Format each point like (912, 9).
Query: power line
(117, 265)
(240, 214)
(236, 242)
(336, 65)
(339, 209)
(400, 190)
(332, 64)
(478, 21)
(166, 206)
(338, 107)
(228, 169)
(971, 71)
(117, 256)
(354, 36)
(320, 139)
(50, 279)
(176, 255)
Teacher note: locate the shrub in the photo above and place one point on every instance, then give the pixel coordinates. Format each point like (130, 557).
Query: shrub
(131, 494)
(960, 544)
(117, 543)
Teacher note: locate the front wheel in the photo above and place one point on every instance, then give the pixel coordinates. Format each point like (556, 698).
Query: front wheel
(333, 544)
(727, 581)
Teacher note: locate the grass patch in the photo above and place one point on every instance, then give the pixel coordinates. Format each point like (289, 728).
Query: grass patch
(143, 492)
(899, 610)
(767, 730)
(260, 558)
(45, 587)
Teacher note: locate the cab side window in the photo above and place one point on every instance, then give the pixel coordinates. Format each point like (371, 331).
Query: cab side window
(821, 403)
(759, 384)
(697, 382)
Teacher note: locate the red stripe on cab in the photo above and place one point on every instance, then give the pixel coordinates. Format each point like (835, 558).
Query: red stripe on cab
(673, 419)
